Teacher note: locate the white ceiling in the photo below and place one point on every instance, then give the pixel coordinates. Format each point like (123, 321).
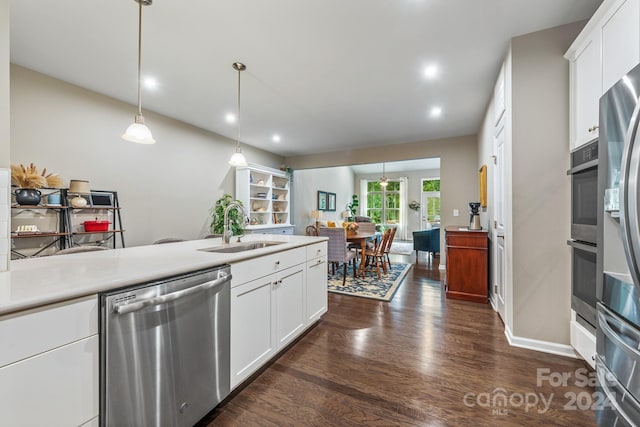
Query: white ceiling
(324, 74)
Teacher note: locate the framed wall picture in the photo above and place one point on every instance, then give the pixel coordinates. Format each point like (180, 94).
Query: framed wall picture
(482, 184)
(322, 200)
(331, 201)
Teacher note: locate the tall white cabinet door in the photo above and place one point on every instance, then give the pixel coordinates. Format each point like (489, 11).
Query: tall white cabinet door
(55, 388)
(620, 42)
(252, 341)
(290, 304)
(587, 90)
(316, 289)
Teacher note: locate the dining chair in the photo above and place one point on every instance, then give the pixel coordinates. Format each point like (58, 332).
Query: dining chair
(389, 243)
(337, 251)
(311, 230)
(377, 254)
(364, 227)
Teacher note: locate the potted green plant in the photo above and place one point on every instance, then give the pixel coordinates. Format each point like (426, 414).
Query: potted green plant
(352, 207)
(217, 216)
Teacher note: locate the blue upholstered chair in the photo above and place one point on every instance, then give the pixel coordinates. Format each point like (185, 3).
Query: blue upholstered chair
(427, 241)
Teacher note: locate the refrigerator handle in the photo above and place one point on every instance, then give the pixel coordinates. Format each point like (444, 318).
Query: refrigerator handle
(629, 215)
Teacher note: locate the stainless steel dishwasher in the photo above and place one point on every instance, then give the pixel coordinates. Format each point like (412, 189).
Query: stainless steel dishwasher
(165, 350)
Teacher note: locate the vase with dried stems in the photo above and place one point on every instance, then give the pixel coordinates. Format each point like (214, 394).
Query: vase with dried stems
(29, 179)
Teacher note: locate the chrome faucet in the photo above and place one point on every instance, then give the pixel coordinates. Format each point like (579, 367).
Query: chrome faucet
(226, 232)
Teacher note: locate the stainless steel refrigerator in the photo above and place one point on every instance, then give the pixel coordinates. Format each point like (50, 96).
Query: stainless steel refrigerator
(618, 309)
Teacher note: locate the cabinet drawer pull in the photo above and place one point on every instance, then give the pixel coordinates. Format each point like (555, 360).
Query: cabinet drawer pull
(593, 128)
(277, 262)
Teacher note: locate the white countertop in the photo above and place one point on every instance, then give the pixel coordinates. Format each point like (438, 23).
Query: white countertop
(35, 282)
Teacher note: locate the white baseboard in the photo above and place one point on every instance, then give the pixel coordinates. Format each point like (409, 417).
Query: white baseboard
(584, 343)
(537, 345)
(492, 302)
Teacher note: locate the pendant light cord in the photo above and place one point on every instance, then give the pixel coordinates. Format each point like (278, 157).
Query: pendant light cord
(238, 141)
(139, 56)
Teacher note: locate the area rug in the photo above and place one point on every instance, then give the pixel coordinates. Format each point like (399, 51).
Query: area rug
(401, 248)
(370, 286)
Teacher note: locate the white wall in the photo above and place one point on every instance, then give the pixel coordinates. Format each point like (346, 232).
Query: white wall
(537, 190)
(4, 134)
(307, 183)
(166, 189)
(541, 188)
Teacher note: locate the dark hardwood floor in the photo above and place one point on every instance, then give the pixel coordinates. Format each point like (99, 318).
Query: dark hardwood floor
(419, 360)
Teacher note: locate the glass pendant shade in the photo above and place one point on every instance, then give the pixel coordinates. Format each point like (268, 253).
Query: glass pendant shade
(383, 180)
(238, 158)
(138, 132)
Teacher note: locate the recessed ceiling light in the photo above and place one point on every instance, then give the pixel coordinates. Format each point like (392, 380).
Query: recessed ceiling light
(431, 71)
(436, 112)
(230, 118)
(275, 138)
(150, 83)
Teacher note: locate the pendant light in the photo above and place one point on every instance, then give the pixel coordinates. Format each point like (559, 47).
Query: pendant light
(238, 158)
(383, 180)
(138, 132)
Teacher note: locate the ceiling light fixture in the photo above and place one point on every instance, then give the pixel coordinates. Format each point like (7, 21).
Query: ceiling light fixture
(238, 158)
(150, 83)
(436, 112)
(138, 132)
(230, 118)
(383, 180)
(431, 71)
(276, 138)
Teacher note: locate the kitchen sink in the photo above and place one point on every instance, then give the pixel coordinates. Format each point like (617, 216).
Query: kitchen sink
(240, 247)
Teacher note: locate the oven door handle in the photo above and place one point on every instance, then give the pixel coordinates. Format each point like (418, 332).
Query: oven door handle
(588, 165)
(139, 305)
(582, 246)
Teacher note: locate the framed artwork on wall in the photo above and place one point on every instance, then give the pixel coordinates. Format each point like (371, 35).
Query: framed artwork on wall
(322, 200)
(331, 201)
(482, 184)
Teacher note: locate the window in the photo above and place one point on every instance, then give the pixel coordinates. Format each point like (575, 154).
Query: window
(431, 200)
(383, 204)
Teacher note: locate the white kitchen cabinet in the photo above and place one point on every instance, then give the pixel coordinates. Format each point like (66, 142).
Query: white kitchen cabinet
(252, 328)
(620, 41)
(265, 193)
(266, 314)
(606, 49)
(316, 281)
(55, 388)
(289, 304)
(49, 361)
(271, 299)
(587, 88)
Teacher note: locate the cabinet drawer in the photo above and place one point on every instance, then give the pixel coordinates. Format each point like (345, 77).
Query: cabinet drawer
(55, 388)
(467, 240)
(316, 250)
(35, 331)
(255, 268)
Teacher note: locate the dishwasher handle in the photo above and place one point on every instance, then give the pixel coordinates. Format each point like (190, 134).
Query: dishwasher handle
(138, 305)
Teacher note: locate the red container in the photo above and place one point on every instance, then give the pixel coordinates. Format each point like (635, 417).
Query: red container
(98, 225)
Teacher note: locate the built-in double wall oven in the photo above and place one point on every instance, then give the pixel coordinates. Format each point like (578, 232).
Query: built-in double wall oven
(584, 226)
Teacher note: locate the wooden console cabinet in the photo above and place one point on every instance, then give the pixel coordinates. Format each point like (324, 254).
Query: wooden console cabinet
(467, 264)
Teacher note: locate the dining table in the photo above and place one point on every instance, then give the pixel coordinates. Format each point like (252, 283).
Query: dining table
(362, 237)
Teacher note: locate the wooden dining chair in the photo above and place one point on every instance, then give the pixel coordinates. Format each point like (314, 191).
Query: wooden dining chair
(337, 251)
(388, 248)
(311, 230)
(377, 254)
